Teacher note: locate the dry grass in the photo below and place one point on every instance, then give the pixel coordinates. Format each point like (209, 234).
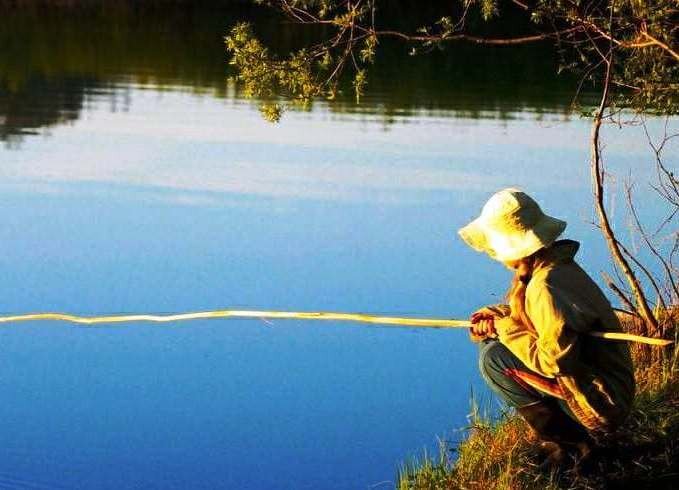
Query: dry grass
(501, 453)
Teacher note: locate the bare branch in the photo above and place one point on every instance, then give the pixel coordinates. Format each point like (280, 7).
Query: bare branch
(652, 248)
(607, 230)
(657, 42)
(620, 294)
(510, 41)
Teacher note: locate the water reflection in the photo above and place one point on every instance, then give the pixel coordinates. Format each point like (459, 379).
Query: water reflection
(53, 64)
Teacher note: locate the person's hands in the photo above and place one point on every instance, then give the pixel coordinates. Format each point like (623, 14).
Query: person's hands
(484, 321)
(483, 326)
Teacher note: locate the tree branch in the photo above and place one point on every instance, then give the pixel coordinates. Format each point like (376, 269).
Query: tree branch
(607, 230)
(476, 39)
(619, 293)
(657, 42)
(652, 248)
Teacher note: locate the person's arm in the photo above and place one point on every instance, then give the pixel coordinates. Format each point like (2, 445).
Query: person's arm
(553, 350)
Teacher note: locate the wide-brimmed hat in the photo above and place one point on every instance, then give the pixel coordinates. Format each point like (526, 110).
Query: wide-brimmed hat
(511, 226)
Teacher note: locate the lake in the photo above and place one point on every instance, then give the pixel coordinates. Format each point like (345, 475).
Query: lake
(136, 178)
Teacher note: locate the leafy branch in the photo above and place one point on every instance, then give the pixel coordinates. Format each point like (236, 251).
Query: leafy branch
(641, 33)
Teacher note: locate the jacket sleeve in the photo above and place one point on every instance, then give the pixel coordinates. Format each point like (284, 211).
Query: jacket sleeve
(553, 350)
(497, 311)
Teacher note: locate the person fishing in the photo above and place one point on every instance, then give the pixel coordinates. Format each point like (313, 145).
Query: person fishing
(534, 352)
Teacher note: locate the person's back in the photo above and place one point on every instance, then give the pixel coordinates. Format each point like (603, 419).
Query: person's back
(602, 370)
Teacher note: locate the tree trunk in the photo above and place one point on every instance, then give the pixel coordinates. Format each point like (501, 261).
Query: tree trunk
(597, 179)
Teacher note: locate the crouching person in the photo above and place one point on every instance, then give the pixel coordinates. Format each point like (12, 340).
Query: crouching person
(534, 351)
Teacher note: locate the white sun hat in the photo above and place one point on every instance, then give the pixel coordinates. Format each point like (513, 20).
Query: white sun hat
(511, 226)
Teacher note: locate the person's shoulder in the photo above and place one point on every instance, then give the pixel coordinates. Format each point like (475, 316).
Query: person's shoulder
(554, 277)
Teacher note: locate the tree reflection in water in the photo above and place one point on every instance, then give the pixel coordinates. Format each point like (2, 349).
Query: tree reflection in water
(54, 62)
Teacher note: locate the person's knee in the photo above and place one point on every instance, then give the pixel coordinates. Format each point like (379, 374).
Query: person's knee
(497, 365)
(491, 359)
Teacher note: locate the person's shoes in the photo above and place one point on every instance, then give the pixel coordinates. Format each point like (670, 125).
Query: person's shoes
(561, 438)
(551, 455)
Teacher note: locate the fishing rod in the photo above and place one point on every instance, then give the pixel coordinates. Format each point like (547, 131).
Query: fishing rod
(289, 315)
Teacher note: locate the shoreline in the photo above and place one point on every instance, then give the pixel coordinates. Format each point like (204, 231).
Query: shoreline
(501, 453)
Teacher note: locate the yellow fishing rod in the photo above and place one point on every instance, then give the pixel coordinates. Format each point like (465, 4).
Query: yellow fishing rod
(289, 315)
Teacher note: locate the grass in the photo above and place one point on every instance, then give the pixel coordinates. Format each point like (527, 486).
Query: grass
(500, 453)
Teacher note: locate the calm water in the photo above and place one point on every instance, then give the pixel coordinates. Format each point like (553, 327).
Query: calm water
(134, 178)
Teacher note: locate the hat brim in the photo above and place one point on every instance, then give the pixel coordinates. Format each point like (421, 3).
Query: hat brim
(514, 245)
(474, 235)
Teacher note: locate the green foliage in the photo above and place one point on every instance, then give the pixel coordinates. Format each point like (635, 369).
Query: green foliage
(489, 9)
(493, 455)
(307, 73)
(264, 76)
(639, 37)
(367, 54)
(271, 112)
(427, 472)
(360, 81)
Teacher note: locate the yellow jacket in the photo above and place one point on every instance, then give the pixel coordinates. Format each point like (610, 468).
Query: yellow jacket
(594, 376)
